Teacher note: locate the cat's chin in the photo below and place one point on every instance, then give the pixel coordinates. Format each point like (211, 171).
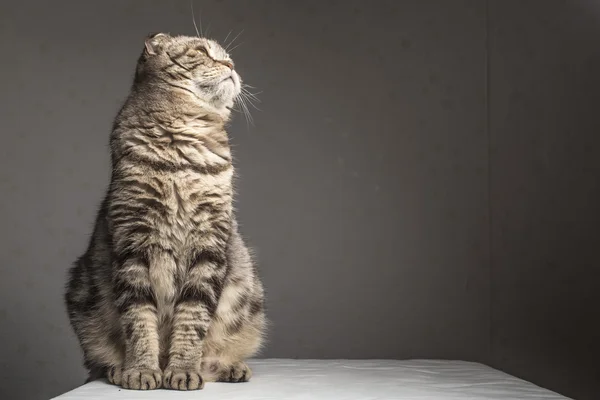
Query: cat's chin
(230, 87)
(237, 83)
(220, 104)
(222, 109)
(225, 103)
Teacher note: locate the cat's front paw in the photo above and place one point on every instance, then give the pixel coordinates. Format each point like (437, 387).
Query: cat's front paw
(141, 379)
(182, 379)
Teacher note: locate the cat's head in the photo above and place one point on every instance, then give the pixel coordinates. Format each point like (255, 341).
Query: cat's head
(198, 65)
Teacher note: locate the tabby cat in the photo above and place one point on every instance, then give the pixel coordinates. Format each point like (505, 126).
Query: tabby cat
(167, 294)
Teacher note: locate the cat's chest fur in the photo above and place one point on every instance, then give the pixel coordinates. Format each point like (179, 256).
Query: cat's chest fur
(181, 182)
(170, 194)
(180, 208)
(191, 201)
(190, 204)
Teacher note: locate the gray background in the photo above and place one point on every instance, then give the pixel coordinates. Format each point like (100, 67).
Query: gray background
(420, 183)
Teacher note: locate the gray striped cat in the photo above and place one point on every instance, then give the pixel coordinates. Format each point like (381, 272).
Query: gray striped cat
(167, 293)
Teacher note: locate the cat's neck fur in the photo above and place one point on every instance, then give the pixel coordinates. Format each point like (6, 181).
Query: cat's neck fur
(170, 118)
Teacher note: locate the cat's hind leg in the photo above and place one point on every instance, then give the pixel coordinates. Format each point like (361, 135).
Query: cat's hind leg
(112, 373)
(230, 342)
(98, 333)
(103, 354)
(233, 372)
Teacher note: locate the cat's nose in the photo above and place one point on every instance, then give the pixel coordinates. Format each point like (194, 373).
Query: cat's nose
(227, 63)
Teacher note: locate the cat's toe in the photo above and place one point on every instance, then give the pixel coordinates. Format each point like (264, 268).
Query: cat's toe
(182, 379)
(114, 375)
(238, 372)
(141, 379)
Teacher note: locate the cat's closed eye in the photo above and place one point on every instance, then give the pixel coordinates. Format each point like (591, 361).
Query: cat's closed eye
(196, 52)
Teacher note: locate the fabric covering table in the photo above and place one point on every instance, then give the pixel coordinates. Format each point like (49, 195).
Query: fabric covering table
(346, 380)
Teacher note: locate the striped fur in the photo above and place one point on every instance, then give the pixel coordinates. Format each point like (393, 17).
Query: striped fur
(167, 293)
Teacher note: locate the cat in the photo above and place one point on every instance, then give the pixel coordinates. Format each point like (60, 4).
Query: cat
(167, 293)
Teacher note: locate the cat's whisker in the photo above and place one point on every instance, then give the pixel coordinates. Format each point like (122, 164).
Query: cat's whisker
(225, 40)
(251, 95)
(235, 47)
(242, 101)
(232, 41)
(235, 107)
(245, 85)
(250, 102)
(250, 117)
(194, 19)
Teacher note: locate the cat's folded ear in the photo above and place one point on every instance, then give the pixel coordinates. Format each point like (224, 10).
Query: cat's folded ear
(154, 42)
